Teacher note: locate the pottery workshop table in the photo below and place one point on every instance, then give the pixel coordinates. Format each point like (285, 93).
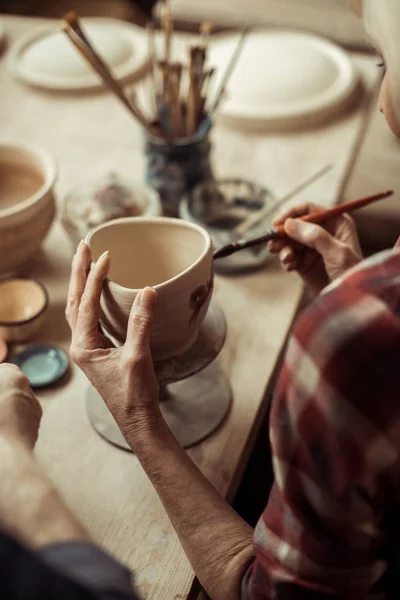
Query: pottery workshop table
(90, 135)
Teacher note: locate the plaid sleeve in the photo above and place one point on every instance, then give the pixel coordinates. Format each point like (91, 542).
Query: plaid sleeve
(335, 435)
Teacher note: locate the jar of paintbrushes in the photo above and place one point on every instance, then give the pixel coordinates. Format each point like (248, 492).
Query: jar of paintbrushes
(178, 158)
(178, 108)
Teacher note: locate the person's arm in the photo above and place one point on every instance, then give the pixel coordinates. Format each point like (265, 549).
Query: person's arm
(217, 541)
(328, 530)
(33, 512)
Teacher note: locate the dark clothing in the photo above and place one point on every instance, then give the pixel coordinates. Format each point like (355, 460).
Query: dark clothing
(70, 571)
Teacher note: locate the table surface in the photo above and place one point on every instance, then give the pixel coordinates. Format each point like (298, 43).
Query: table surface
(90, 135)
(330, 18)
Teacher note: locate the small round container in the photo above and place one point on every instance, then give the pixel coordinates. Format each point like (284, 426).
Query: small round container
(219, 207)
(44, 365)
(23, 303)
(97, 202)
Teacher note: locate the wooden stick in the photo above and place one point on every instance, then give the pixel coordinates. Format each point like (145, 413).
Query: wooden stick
(73, 30)
(110, 83)
(191, 98)
(205, 33)
(268, 210)
(153, 65)
(322, 216)
(177, 121)
(229, 71)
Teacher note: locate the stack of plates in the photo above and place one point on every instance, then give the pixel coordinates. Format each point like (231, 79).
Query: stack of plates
(49, 59)
(283, 78)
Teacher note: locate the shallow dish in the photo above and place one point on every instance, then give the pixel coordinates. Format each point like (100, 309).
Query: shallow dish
(304, 78)
(174, 257)
(43, 365)
(49, 60)
(23, 303)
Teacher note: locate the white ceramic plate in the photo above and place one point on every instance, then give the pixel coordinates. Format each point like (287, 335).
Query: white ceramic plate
(49, 60)
(283, 77)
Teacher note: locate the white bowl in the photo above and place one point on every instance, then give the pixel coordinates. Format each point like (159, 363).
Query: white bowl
(27, 204)
(173, 256)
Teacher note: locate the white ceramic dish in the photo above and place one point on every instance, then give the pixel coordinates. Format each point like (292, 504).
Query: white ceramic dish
(27, 204)
(49, 60)
(283, 78)
(173, 256)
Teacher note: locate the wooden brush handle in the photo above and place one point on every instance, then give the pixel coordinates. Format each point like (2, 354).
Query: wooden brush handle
(323, 216)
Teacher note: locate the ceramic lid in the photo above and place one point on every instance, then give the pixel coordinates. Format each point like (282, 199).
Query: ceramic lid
(43, 365)
(50, 60)
(283, 76)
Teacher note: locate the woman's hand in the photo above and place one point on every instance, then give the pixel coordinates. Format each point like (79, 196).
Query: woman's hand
(318, 254)
(20, 411)
(124, 377)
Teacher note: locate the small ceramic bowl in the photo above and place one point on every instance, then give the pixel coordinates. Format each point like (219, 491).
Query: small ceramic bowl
(220, 206)
(23, 303)
(27, 204)
(174, 257)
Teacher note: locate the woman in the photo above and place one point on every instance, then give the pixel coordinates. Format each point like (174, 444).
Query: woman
(330, 526)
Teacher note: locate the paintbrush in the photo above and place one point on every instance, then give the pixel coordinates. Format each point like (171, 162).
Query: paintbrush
(75, 33)
(262, 214)
(228, 72)
(153, 65)
(319, 218)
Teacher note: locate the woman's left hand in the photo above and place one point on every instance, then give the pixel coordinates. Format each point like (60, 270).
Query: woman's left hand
(124, 377)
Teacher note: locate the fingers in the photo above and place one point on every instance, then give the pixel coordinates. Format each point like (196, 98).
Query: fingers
(86, 333)
(311, 235)
(296, 211)
(140, 323)
(79, 274)
(11, 375)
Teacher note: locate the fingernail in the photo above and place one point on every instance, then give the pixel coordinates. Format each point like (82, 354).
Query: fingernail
(285, 254)
(148, 297)
(103, 257)
(290, 225)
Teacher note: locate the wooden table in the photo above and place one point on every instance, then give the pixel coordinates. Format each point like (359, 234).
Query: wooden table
(90, 135)
(330, 18)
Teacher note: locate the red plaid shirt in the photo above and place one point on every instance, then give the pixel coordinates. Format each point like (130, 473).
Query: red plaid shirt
(331, 527)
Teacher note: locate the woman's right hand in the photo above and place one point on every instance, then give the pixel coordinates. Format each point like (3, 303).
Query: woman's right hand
(319, 254)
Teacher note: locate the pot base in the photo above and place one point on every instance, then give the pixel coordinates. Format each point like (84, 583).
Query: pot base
(195, 395)
(193, 408)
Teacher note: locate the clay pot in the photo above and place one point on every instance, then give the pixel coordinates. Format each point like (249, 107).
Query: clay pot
(27, 205)
(23, 303)
(174, 257)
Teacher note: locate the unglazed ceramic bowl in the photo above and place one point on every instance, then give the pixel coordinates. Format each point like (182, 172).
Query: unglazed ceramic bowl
(23, 303)
(174, 257)
(27, 205)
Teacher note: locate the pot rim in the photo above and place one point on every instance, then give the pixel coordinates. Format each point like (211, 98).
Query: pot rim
(171, 221)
